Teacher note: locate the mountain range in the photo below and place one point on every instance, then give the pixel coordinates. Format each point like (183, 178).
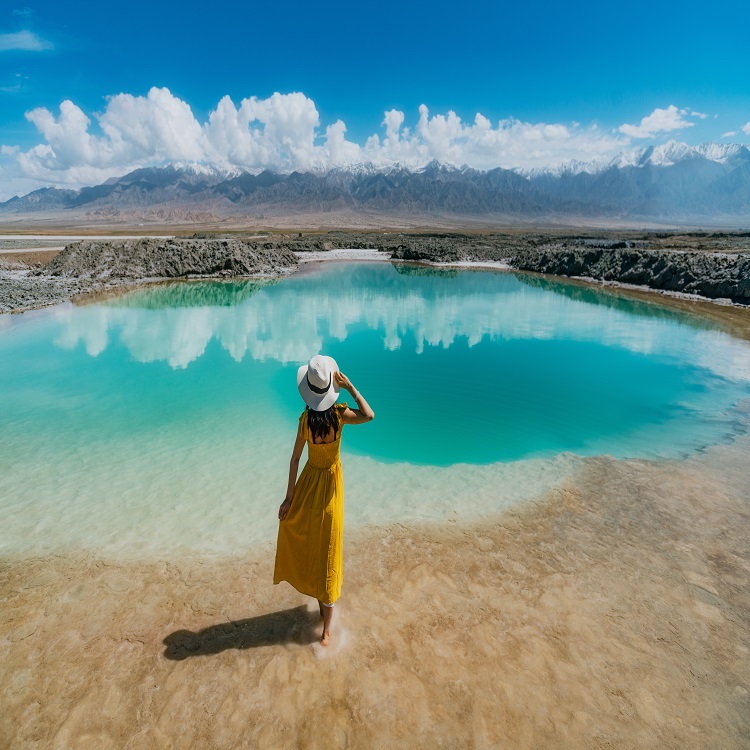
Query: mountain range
(673, 182)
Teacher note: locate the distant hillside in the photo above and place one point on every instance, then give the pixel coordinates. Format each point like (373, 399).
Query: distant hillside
(673, 182)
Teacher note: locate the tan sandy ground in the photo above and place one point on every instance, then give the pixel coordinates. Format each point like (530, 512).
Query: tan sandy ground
(34, 257)
(612, 614)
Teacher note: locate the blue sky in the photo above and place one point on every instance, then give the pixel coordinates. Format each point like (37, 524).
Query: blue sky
(580, 66)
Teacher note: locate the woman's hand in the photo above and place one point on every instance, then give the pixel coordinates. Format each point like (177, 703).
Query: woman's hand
(284, 509)
(363, 412)
(343, 382)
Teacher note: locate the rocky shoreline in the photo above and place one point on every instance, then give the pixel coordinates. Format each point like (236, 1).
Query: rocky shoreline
(715, 266)
(97, 266)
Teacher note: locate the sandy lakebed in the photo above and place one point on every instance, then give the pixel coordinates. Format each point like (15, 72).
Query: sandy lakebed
(613, 611)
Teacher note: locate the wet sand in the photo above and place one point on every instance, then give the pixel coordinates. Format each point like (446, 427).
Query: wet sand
(612, 613)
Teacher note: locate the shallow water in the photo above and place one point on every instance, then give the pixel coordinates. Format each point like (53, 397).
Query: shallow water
(163, 420)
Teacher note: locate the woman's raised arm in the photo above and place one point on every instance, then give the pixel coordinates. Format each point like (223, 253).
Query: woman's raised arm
(363, 412)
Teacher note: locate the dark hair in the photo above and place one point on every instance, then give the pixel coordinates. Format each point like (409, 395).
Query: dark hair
(322, 422)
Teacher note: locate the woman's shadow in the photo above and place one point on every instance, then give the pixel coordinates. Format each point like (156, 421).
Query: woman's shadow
(295, 625)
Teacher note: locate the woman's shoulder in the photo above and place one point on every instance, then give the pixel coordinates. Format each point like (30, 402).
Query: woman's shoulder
(303, 429)
(303, 423)
(341, 408)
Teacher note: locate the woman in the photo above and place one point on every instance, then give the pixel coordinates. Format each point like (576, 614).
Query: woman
(311, 518)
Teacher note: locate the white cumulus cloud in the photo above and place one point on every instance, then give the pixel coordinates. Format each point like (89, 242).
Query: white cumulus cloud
(274, 133)
(24, 41)
(746, 128)
(510, 143)
(284, 133)
(659, 121)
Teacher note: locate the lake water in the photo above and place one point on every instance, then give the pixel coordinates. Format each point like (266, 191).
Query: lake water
(162, 421)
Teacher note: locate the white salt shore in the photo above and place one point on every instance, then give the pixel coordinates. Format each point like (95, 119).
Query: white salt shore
(343, 254)
(379, 255)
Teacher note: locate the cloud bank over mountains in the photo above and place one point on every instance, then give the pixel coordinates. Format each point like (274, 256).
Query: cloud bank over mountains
(284, 133)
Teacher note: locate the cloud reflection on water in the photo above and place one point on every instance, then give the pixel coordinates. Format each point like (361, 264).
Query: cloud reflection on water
(292, 320)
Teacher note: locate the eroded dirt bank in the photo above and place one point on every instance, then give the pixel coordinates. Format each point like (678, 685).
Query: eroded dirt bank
(614, 613)
(98, 265)
(718, 267)
(167, 258)
(713, 265)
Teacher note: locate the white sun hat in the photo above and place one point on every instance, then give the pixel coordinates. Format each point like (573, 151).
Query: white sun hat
(316, 383)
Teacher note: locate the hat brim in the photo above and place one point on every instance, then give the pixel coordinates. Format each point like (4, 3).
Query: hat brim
(318, 401)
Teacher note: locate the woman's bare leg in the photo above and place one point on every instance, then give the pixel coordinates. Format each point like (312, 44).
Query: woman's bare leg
(327, 617)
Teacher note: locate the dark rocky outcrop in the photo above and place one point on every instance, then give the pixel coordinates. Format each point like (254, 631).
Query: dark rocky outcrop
(712, 275)
(168, 258)
(20, 292)
(713, 265)
(95, 266)
(640, 261)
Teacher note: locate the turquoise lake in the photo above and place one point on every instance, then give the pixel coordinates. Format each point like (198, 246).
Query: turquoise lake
(162, 420)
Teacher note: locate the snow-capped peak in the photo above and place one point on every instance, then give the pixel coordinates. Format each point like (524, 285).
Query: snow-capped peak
(665, 155)
(208, 170)
(565, 168)
(437, 167)
(670, 153)
(719, 152)
(358, 169)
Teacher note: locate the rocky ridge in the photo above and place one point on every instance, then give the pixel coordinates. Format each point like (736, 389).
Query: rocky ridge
(715, 266)
(714, 275)
(95, 266)
(642, 262)
(168, 258)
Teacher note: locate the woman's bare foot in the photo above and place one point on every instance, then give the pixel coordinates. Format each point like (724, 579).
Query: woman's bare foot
(325, 638)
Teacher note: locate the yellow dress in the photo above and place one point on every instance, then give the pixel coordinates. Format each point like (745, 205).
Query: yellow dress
(311, 537)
